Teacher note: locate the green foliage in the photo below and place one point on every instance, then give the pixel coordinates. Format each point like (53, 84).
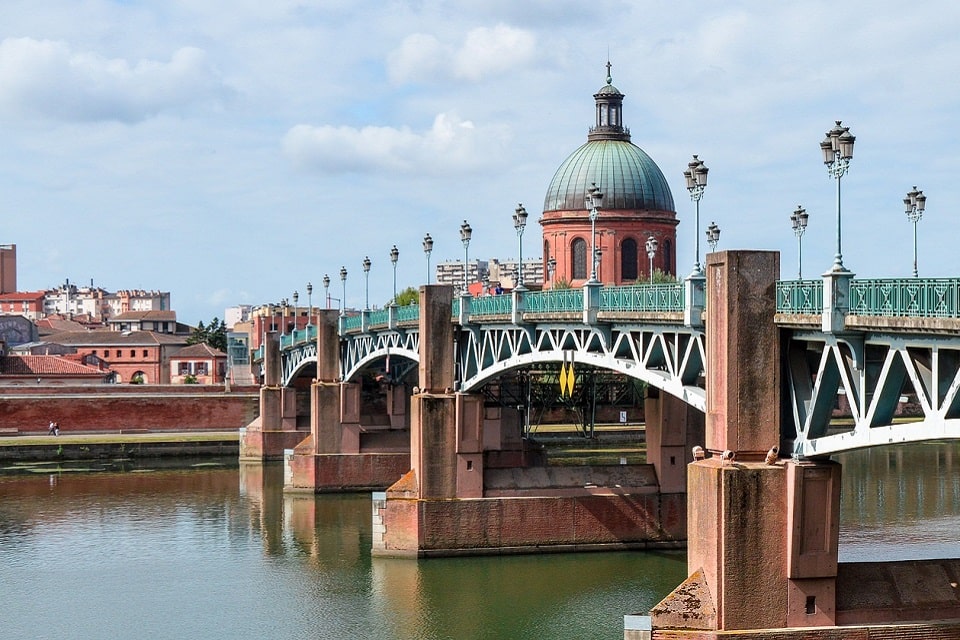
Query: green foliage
(137, 379)
(190, 379)
(662, 277)
(213, 335)
(561, 283)
(408, 296)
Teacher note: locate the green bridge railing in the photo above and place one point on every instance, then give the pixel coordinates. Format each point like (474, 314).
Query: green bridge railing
(905, 297)
(909, 297)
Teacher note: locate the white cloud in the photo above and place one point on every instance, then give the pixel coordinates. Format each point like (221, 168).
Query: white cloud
(46, 78)
(484, 52)
(451, 145)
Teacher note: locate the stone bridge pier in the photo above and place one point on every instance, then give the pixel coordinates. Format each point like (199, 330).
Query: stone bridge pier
(341, 454)
(275, 429)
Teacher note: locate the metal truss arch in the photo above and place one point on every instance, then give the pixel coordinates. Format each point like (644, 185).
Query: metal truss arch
(358, 351)
(296, 359)
(874, 372)
(670, 358)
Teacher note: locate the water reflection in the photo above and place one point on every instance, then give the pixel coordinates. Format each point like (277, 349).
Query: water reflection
(222, 553)
(900, 502)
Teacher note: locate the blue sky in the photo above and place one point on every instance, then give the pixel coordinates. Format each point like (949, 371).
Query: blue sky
(230, 152)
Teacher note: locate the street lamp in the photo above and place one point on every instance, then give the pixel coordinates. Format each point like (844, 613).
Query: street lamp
(551, 269)
(394, 256)
(326, 289)
(283, 316)
(837, 150)
(799, 221)
(309, 304)
(427, 250)
(593, 200)
(366, 282)
(520, 223)
(713, 236)
(343, 280)
(465, 234)
(696, 176)
(296, 311)
(652, 245)
(915, 203)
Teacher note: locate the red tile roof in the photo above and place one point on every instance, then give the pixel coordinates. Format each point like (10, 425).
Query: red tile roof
(110, 338)
(200, 350)
(45, 366)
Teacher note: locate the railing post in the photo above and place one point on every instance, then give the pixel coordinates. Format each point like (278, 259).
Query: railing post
(694, 299)
(392, 316)
(365, 321)
(464, 317)
(836, 300)
(516, 307)
(591, 301)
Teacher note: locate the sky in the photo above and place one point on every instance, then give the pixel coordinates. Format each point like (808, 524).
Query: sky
(232, 152)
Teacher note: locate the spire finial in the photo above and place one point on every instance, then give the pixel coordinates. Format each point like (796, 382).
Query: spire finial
(609, 77)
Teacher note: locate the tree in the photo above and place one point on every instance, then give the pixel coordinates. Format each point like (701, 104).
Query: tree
(213, 335)
(408, 296)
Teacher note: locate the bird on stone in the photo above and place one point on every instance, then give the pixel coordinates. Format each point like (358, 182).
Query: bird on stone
(772, 455)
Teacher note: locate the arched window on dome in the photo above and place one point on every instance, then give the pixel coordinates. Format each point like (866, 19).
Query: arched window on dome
(667, 257)
(579, 253)
(628, 260)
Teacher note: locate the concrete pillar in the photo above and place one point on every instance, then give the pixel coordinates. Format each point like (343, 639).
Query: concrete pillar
(764, 550)
(673, 428)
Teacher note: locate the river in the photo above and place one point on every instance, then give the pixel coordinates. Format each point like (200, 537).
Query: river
(216, 551)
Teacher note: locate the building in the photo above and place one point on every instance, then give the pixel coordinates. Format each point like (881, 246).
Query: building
(237, 313)
(158, 321)
(28, 304)
(49, 369)
(8, 268)
(133, 356)
(70, 300)
(493, 272)
(636, 204)
(198, 364)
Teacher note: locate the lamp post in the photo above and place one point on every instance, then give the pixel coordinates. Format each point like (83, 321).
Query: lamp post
(652, 245)
(326, 289)
(427, 250)
(593, 200)
(837, 150)
(283, 317)
(465, 234)
(713, 236)
(309, 304)
(915, 203)
(799, 221)
(394, 256)
(343, 280)
(296, 311)
(366, 282)
(551, 269)
(696, 177)
(520, 223)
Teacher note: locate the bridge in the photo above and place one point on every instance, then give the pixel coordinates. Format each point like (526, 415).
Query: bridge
(762, 362)
(900, 337)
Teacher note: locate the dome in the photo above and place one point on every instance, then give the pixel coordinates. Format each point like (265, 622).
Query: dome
(627, 177)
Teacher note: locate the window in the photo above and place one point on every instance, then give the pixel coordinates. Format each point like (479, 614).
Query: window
(184, 368)
(667, 257)
(201, 368)
(133, 353)
(145, 353)
(93, 352)
(628, 259)
(579, 250)
(118, 353)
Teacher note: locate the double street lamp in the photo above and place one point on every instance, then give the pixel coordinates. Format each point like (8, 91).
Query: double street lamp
(343, 281)
(326, 290)
(593, 200)
(915, 203)
(296, 311)
(713, 236)
(366, 282)
(465, 234)
(696, 177)
(837, 150)
(799, 221)
(652, 245)
(520, 223)
(427, 250)
(551, 269)
(394, 256)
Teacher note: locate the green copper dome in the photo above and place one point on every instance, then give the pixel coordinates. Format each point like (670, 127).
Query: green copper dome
(627, 177)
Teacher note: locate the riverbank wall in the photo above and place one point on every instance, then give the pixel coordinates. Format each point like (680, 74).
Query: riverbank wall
(110, 447)
(126, 408)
